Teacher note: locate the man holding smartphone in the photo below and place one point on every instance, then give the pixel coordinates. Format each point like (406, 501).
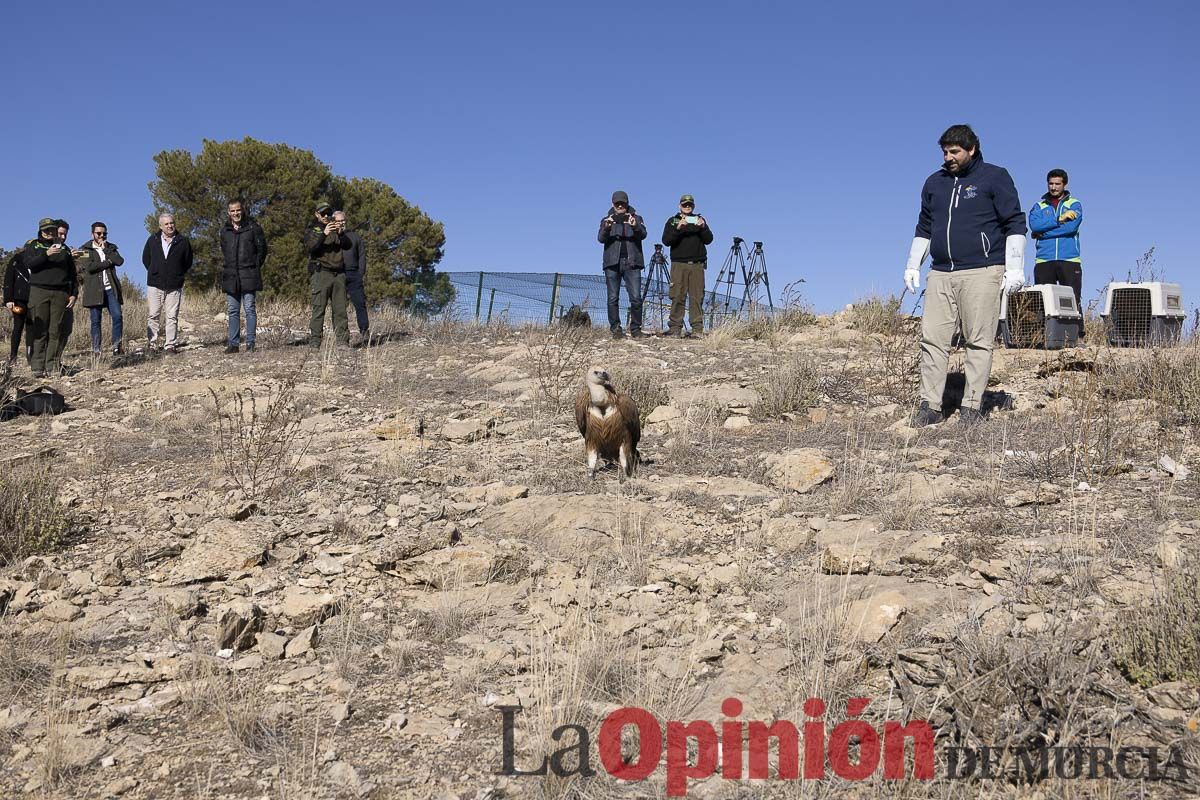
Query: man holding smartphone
(52, 291)
(687, 234)
(621, 232)
(327, 276)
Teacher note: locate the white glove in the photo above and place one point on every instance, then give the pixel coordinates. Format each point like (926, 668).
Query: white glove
(912, 271)
(1014, 262)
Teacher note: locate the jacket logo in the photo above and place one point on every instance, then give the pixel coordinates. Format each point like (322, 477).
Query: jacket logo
(970, 192)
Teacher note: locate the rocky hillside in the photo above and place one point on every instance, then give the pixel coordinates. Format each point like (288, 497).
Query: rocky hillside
(300, 574)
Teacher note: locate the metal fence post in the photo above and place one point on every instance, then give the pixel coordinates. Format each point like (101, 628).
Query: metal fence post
(553, 299)
(491, 302)
(479, 295)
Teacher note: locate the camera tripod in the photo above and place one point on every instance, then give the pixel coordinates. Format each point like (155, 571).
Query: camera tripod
(656, 294)
(734, 262)
(758, 274)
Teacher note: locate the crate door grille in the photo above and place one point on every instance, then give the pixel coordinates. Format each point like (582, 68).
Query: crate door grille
(1131, 314)
(1026, 319)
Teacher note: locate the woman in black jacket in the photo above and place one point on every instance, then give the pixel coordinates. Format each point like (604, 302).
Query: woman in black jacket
(16, 300)
(97, 262)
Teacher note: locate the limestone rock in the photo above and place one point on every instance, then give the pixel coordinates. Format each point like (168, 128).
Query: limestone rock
(222, 547)
(800, 470)
(306, 608)
(870, 619)
(237, 625)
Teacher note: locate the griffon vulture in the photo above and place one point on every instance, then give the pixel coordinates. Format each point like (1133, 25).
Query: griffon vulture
(609, 423)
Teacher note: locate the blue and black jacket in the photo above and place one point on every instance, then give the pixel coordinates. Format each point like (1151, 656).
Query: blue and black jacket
(1056, 241)
(967, 216)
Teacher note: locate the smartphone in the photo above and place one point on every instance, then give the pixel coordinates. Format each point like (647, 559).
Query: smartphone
(691, 219)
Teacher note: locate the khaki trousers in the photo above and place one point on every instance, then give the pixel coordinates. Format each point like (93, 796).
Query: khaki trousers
(47, 309)
(687, 287)
(160, 300)
(971, 297)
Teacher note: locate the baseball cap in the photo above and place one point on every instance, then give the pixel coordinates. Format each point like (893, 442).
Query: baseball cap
(687, 198)
(620, 197)
(47, 222)
(324, 208)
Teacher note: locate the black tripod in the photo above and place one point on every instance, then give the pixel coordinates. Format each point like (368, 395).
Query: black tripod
(734, 262)
(657, 291)
(758, 274)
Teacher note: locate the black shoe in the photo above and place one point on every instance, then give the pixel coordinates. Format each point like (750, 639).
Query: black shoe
(970, 416)
(636, 333)
(617, 333)
(232, 348)
(926, 416)
(250, 347)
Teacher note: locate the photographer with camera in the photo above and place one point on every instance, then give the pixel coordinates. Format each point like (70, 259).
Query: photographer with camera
(327, 276)
(52, 291)
(244, 250)
(687, 234)
(621, 232)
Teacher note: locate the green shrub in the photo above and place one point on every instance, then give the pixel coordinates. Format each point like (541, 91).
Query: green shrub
(1162, 643)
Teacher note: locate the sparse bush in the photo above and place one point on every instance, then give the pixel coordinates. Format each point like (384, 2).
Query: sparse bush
(557, 358)
(1162, 643)
(259, 442)
(32, 520)
(795, 386)
(645, 386)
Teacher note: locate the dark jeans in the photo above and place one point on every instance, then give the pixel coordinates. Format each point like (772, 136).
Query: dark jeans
(19, 327)
(1063, 273)
(633, 287)
(114, 311)
(233, 309)
(358, 297)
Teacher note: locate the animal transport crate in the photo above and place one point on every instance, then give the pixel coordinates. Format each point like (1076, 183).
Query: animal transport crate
(1142, 314)
(1039, 317)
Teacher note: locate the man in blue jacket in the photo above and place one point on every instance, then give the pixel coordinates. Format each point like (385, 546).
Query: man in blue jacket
(1054, 223)
(972, 225)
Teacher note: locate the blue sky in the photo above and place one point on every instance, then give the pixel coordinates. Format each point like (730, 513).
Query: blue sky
(808, 127)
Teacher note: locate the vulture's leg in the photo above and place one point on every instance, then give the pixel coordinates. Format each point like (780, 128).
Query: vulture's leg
(593, 456)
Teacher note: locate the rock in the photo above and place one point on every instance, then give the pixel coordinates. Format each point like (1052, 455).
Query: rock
(869, 620)
(818, 416)
(925, 551)
(496, 493)
(467, 430)
(300, 674)
(398, 426)
(271, 646)
(787, 534)
(1169, 466)
(1046, 494)
(111, 575)
(845, 559)
(800, 470)
(237, 625)
(328, 565)
(301, 643)
(346, 776)
(96, 678)
(340, 712)
(306, 608)
(1168, 553)
(719, 395)
(736, 423)
(664, 415)
(222, 547)
(60, 611)
(1175, 695)
(463, 564)
(76, 753)
(183, 603)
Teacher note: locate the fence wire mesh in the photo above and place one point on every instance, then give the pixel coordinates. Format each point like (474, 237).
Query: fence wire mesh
(543, 297)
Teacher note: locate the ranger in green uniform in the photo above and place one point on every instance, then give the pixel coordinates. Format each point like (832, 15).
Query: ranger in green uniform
(327, 275)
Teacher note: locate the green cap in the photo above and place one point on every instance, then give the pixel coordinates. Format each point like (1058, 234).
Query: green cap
(47, 223)
(687, 198)
(324, 208)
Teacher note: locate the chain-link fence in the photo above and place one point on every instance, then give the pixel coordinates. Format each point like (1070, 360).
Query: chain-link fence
(543, 297)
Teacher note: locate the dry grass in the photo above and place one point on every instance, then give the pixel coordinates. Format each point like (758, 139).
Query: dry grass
(1162, 642)
(792, 387)
(644, 386)
(558, 356)
(32, 520)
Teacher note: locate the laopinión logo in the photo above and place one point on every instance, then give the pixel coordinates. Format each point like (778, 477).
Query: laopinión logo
(853, 750)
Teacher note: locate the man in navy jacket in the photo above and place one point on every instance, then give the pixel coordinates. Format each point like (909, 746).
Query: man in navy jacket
(972, 225)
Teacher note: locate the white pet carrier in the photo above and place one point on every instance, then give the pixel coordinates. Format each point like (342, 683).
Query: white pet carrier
(1142, 314)
(1045, 316)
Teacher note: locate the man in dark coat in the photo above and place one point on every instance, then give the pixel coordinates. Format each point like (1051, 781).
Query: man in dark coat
(52, 288)
(244, 248)
(16, 300)
(167, 257)
(621, 232)
(98, 261)
(354, 256)
(688, 235)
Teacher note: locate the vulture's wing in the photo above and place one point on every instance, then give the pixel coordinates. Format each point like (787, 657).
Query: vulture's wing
(629, 412)
(582, 401)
